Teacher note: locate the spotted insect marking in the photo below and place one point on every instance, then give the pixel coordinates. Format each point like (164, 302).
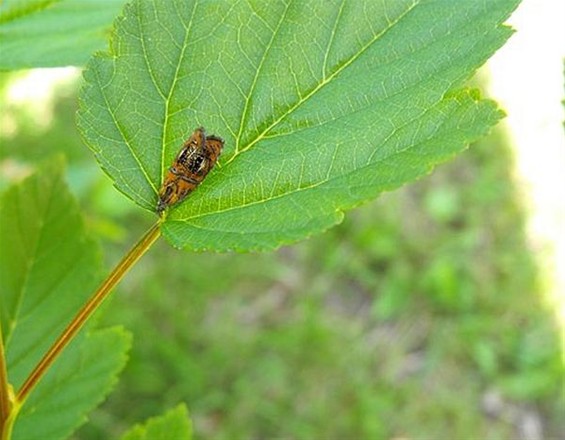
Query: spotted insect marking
(194, 161)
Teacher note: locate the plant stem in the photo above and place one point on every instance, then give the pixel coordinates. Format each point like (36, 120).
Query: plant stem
(87, 310)
(4, 390)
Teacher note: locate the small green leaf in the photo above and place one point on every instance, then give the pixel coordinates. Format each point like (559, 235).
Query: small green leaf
(48, 33)
(174, 424)
(323, 106)
(48, 268)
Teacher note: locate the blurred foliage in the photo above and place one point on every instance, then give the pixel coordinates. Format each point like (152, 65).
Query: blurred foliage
(35, 33)
(421, 316)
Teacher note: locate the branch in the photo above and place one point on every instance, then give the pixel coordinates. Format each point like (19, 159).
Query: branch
(86, 312)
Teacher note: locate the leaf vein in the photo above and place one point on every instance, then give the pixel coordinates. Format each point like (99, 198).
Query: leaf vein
(324, 82)
(327, 178)
(121, 131)
(172, 88)
(330, 42)
(145, 54)
(256, 77)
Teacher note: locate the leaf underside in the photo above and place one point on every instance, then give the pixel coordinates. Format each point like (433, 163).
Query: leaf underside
(323, 106)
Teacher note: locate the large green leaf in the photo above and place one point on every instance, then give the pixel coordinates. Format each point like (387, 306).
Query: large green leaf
(323, 105)
(174, 424)
(48, 268)
(48, 33)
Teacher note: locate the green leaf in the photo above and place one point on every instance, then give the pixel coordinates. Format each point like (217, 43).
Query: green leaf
(175, 424)
(77, 383)
(48, 268)
(48, 33)
(323, 106)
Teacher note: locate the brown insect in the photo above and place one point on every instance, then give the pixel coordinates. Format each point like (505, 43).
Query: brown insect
(197, 157)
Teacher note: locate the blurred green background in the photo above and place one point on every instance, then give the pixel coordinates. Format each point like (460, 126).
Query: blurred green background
(422, 316)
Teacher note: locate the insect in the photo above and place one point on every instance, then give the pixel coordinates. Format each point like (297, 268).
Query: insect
(197, 157)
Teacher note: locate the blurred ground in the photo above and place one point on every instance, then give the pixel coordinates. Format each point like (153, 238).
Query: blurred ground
(423, 315)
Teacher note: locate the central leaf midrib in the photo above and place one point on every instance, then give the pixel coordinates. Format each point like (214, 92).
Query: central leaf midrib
(32, 258)
(171, 90)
